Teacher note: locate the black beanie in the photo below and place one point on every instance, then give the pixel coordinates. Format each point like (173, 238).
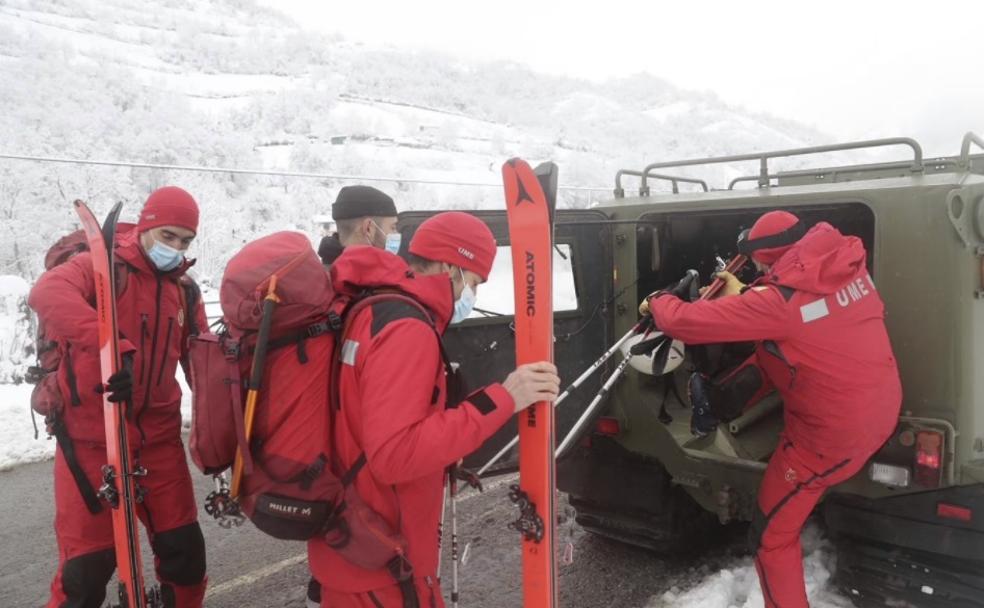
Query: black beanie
(362, 201)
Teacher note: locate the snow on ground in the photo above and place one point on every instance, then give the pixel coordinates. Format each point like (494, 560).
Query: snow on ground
(15, 330)
(737, 586)
(17, 442)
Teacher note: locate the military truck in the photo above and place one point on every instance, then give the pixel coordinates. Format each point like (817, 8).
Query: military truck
(908, 527)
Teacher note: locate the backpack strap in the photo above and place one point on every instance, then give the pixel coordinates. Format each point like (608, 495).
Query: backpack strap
(399, 567)
(71, 459)
(351, 311)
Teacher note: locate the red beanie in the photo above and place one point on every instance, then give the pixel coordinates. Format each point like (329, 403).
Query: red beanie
(456, 238)
(770, 224)
(169, 206)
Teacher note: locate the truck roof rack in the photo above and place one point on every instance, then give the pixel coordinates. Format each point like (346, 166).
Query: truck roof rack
(832, 174)
(764, 177)
(969, 138)
(674, 179)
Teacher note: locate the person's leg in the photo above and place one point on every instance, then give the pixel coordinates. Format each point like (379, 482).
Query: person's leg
(313, 593)
(794, 482)
(86, 553)
(171, 516)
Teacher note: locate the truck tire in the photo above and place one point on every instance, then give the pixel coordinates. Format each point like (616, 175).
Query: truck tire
(873, 574)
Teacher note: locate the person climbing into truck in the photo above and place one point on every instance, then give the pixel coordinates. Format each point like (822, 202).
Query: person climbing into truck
(821, 342)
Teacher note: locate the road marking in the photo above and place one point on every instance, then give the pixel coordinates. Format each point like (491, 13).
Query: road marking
(252, 577)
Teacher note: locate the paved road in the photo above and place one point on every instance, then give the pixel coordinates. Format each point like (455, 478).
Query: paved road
(250, 570)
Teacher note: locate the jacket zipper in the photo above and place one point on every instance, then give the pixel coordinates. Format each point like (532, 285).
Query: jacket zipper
(143, 335)
(153, 353)
(167, 341)
(773, 349)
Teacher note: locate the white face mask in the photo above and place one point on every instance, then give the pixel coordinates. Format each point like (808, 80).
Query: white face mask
(392, 243)
(164, 257)
(466, 303)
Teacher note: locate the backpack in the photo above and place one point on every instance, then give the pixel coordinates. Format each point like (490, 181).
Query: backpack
(46, 397)
(292, 487)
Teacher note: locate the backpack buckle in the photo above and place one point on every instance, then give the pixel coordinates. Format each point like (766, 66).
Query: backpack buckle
(313, 331)
(334, 321)
(35, 374)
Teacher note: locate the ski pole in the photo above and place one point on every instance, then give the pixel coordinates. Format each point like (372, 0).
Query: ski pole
(570, 389)
(453, 491)
(255, 379)
(734, 265)
(440, 524)
(576, 429)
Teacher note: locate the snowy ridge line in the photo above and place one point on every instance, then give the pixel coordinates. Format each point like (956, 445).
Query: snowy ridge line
(363, 178)
(405, 104)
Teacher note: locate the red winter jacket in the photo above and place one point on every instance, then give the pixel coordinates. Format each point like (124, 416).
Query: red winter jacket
(394, 408)
(151, 315)
(823, 342)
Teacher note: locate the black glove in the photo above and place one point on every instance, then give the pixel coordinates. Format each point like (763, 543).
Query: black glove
(120, 386)
(686, 289)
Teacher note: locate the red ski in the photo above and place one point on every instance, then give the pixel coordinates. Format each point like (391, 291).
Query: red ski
(530, 214)
(119, 488)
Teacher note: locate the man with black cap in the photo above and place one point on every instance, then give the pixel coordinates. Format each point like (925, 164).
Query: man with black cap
(822, 343)
(364, 216)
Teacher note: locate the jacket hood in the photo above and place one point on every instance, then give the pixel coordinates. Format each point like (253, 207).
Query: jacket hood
(362, 268)
(821, 262)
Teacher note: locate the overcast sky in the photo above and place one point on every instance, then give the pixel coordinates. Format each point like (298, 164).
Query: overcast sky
(852, 69)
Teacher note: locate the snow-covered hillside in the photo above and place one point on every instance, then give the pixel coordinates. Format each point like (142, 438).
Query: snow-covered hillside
(231, 84)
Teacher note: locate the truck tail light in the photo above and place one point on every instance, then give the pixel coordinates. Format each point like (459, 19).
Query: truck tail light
(954, 512)
(929, 458)
(607, 426)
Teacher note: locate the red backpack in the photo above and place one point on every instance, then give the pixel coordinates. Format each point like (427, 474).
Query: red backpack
(291, 486)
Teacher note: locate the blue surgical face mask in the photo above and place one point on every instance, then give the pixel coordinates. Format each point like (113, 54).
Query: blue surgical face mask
(464, 305)
(393, 242)
(164, 257)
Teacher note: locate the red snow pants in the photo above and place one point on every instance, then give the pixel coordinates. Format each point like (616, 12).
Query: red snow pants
(794, 482)
(86, 555)
(428, 596)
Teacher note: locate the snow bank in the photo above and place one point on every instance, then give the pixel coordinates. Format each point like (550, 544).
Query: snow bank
(16, 335)
(17, 443)
(737, 586)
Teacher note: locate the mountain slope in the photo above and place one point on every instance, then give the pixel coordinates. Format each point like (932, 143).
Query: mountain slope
(232, 84)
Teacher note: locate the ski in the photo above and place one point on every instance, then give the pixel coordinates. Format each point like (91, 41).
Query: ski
(530, 202)
(119, 488)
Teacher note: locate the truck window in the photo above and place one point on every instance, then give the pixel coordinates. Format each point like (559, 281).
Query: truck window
(495, 297)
